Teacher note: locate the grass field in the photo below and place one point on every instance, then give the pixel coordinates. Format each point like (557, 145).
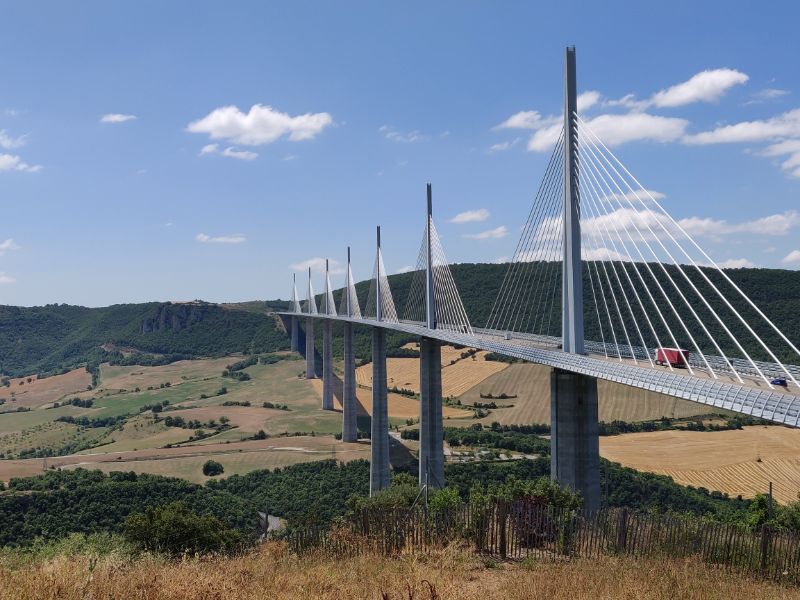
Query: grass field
(457, 378)
(531, 384)
(271, 571)
(40, 392)
(737, 461)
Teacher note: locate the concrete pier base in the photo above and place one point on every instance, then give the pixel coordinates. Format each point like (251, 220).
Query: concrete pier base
(431, 449)
(294, 333)
(349, 410)
(379, 460)
(327, 365)
(311, 367)
(574, 439)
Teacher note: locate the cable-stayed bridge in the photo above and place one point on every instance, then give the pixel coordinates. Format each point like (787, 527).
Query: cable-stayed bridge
(598, 253)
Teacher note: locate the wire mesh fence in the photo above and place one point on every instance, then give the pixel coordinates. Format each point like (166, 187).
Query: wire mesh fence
(517, 530)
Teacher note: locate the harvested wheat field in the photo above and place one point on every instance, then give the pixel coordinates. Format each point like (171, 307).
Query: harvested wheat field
(531, 384)
(736, 461)
(131, 377)
(40, 392)
(400, 407)
(457, 378)
(272, 572)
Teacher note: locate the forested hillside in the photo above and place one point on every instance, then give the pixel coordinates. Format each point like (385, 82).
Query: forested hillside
(50, 338)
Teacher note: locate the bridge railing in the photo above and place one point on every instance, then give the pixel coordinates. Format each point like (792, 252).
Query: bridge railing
(517, 530)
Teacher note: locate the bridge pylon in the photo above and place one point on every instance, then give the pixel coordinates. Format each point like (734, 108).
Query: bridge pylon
(349, 410)
(575, 442)
(379, 451)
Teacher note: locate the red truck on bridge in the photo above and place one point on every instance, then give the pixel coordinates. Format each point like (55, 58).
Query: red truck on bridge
(675, 357)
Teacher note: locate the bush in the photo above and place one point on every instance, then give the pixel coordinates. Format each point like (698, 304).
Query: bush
(212, 468)
(175, 529)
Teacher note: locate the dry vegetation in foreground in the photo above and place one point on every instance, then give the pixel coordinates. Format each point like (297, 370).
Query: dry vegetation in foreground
(272, 572)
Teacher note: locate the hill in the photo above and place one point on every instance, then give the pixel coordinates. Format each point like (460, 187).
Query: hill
(54, 338)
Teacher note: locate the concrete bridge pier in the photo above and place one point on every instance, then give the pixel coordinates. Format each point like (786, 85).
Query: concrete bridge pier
(327, 365)
(379, 460)
(574, 435)
(294, 333)
(431, 449)
(349, 411)
(310, 362)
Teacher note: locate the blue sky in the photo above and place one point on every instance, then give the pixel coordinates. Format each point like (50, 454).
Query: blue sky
(157, 151)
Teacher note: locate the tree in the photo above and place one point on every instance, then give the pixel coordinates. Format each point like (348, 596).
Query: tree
(175, 529)
(212, 468)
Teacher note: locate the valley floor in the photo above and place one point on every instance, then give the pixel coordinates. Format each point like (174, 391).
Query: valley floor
(272, 572)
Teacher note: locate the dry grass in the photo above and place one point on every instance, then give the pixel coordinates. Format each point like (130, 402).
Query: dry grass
(41, 392)
(457, 378)
(737, 462)
(271, 572)
(531, 384)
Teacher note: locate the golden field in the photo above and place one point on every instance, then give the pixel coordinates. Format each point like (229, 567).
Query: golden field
(272, 572)
(736, 461)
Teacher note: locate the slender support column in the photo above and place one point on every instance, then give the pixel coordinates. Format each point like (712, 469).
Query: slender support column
(327, 365)
(311, 366)
(431, 450)
(294, 333)
(572, 287)
(379, 461)
(574, 441)
(349, 423)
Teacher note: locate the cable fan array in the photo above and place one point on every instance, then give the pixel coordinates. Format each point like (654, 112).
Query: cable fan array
(529, 300)
(348, 306)
(652, 286)
(448, 308)
(388, 312)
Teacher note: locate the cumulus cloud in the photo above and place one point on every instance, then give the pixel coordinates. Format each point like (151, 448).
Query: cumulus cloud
(526, 119)
(11, 162)
(793, 258)
(603, 253)
(230, 152)
(779, 224)
(502, 146)
(318, 264)
(234, 238)
(706, 86)
(260, 125)
(471, 216)
(5, 278)
(587, 99)
(736, 263)
(491, 234)
(9, 143)
(7, 246)
(116, 118)
(405, 269)
(781, 126)
(410, 137)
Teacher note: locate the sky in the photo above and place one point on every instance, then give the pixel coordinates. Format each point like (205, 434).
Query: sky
(208, 150)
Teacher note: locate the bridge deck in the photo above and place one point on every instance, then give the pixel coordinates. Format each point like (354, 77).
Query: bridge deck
(752, 397)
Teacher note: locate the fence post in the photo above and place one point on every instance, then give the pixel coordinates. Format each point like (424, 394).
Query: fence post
(622, 530)
(765, 544)
(502, 514)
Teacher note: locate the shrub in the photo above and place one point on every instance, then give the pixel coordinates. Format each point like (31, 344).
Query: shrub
(212, 468)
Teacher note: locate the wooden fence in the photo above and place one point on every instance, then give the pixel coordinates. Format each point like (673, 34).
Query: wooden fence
(521, 529)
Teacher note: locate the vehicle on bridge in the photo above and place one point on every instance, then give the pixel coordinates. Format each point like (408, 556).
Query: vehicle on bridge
(675, 357)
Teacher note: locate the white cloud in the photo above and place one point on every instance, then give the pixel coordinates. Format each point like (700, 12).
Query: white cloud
(471, 216)
(9, 143)
(5, 278)
(261, 125)
(638, 195)
(502, 146)
(230, 152)
(491, 234)
(766, 95)
(792, 258)
(397, 136)
(587, 99)
(318, 264)
(234, 238)
(526, 119)
(11, 162)
(706, 86)
(406, 269)
(603, 253)
(116, 118)
(500, 260)
(779, 224)
(7, 245)
(781, 126)
(289, 157)
(736, 263)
